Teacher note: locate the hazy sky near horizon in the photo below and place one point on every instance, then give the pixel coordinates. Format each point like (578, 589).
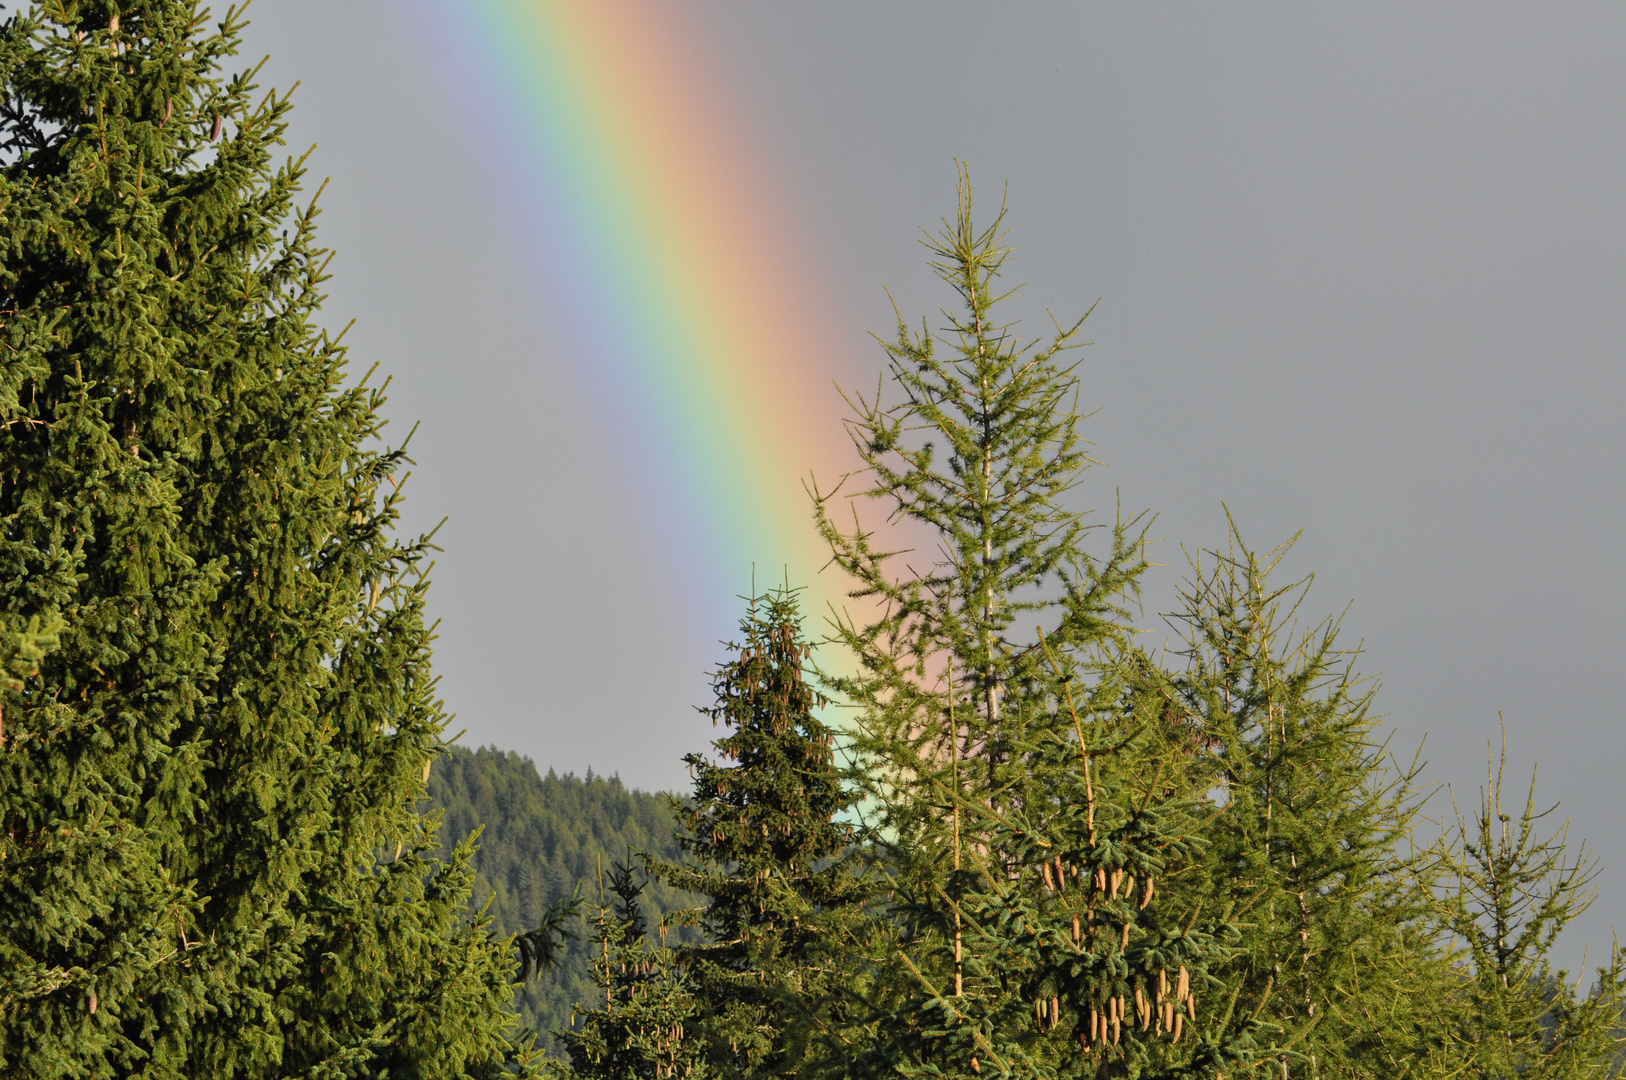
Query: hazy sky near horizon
(1361, 273)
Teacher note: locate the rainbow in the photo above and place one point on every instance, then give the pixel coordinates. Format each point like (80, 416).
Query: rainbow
(665, 268)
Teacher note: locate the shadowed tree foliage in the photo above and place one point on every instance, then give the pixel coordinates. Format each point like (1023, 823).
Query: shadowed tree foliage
(767, 856)
(216, 730)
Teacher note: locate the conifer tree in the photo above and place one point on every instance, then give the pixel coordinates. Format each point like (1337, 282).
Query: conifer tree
(1036, 829)
(210, 864)
(1310, 829)
(646, 1029)
(767, 855)
(1515, 890)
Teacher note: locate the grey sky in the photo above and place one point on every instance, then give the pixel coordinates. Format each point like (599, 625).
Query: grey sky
(1361, 271)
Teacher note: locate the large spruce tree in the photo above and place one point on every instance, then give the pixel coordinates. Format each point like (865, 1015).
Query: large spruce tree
(210, 864)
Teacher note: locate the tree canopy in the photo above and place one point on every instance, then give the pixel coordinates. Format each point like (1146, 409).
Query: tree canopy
(219, 711)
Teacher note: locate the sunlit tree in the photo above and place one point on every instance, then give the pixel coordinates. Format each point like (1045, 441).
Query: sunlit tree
(1033, 821)
(210, 864)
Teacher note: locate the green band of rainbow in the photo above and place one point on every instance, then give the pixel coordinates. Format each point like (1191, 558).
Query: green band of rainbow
(662, 271)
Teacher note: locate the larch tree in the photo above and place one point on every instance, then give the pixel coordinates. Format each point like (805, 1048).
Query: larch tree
(1035, 826)
(219, 708)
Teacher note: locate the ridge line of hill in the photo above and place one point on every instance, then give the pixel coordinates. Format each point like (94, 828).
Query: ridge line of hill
(543, 834)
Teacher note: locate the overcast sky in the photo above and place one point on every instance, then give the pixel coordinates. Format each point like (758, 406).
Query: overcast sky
(1361, 274)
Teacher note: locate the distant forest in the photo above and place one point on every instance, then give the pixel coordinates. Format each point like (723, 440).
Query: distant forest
(542, 835)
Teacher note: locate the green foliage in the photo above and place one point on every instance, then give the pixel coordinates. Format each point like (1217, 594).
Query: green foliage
(1514, 892)
(541, 837)
(541, 948)
(1077, 859)
(1102, 865)
(767, 856)
(22, 650)
(210, 863)
(217, 716)
(1008, 547)
(646, 1027)
(1028, 796)
(1309, 829)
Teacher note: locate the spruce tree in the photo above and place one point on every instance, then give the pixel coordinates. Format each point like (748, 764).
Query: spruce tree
(1515, 889)
(210, 864)
(768, 856)
(1309, 827)
(646, 1028)
(1037, 830)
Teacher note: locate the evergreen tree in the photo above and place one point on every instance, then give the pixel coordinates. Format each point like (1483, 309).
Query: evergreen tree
(767, 855)
(646, 1029)
(210, 864)
(542, 837)
(1515, 891)
(21, 651)
(1037, 830)
(1309, 830)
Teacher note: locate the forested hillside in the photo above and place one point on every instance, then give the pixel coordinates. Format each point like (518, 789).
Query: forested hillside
(542, 835)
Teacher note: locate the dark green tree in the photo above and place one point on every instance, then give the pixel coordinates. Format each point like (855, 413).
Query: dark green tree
(646, 1028)
(768, 856)
(1035, 828)
(210, 864)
